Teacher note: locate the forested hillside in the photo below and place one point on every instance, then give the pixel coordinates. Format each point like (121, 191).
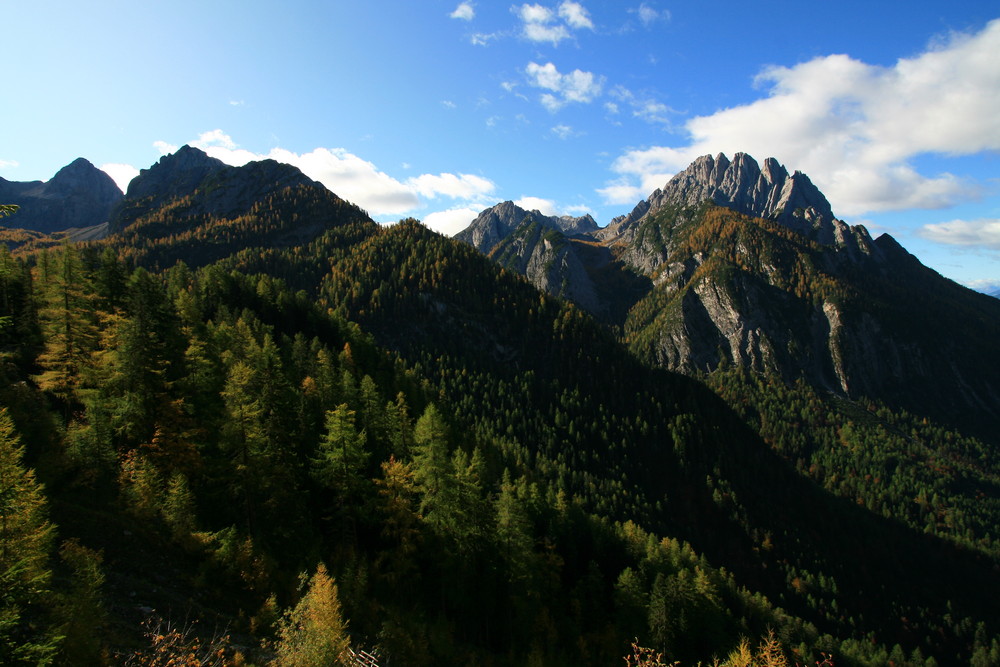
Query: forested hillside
(279, 432)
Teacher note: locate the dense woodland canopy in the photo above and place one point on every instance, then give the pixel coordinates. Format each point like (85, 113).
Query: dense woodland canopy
(226, 440)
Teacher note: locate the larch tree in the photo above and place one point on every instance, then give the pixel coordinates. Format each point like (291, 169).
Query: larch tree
(314, 632)
(67, 320)
(26, 539)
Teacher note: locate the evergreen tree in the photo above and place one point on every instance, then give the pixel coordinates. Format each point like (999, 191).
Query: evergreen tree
(25, 547)
(400, 523)
(432, 468)
(513, 532)
(68, 324)
(342, 456)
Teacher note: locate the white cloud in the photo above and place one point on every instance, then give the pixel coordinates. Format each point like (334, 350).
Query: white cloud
(540, 24)
(5, 164)
(575, 15)
(461, 186)
(543, 206)
(538, 32)
(576, 86)
(214, 138)
(535, 14)
(351, 177)
(643, 107)
(983, 233)
(464, 11)
(855, 128)
(447, 104)
(220, 145)
(482, 38)
(625, 191)
(164, 148)
(562, 131)
(579, 210)
(121, 174)
(649, 15)
(452, 221)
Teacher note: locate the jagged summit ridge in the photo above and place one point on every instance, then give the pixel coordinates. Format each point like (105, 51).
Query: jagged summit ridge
(225, 188)
(762, 191)
(497, 222)
(182, 170)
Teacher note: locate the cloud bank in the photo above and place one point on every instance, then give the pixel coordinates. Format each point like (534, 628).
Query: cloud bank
(359, 181)
(983, 233)
(855, 128)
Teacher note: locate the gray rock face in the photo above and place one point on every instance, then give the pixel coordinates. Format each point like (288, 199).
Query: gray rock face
(547, 258)
(693, 289)
(497, 222)
(537, 247)
(743, 185)
(79, 195)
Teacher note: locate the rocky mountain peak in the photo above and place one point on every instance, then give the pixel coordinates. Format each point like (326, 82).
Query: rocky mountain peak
(744, 185)
(497, 222)
(79, 195)
(179, 171)
(224, 188)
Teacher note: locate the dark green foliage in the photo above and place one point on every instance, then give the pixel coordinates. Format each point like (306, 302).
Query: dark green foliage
(487, 474)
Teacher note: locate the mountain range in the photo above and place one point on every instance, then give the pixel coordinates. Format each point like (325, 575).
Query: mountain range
(732, 263)
(79, 195)
(726, 411)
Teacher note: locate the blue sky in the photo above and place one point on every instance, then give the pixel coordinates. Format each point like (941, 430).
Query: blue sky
(438, 109)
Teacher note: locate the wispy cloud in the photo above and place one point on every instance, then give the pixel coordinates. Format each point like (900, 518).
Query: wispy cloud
(465, 11)
(649, 15)
(576, 86)
(562, 131)
(482, 38)
(983, 233)
(5, 164)
(643, 106)
(855, 128)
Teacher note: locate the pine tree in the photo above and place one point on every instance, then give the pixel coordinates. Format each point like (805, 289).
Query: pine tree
(513, 531)
(342, 456)
(432, 468)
